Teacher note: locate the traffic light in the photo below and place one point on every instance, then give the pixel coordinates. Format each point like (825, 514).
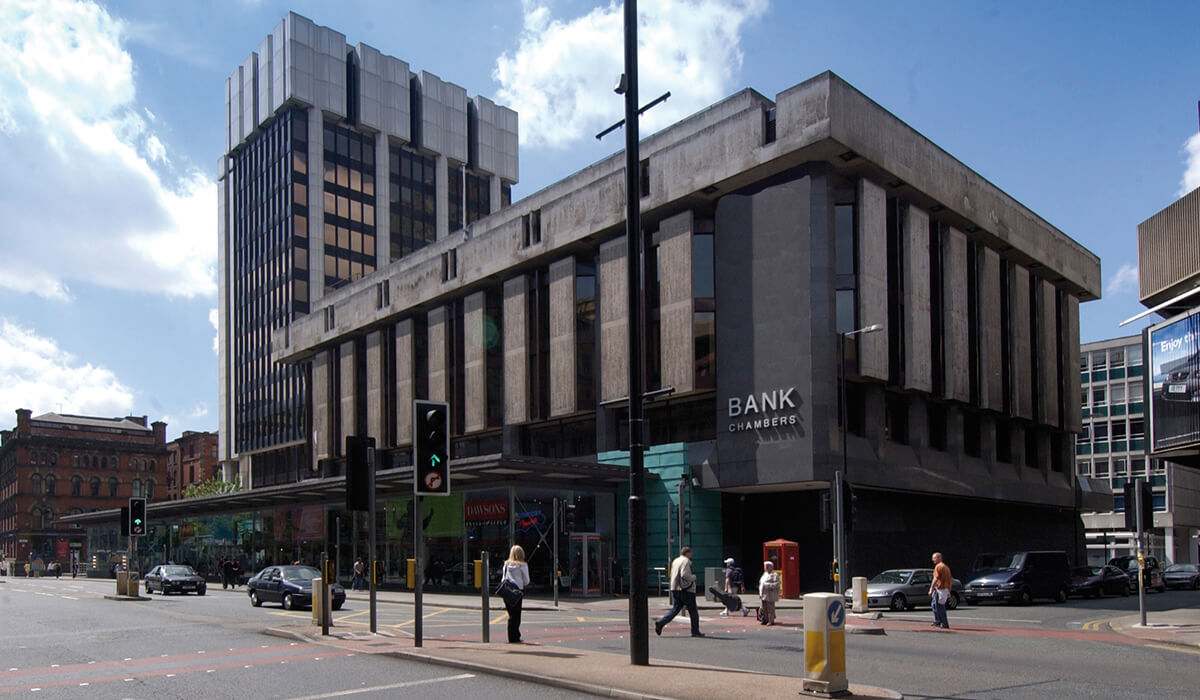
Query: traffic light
(1131, 493)
(571, 523)
(431, 439)
(849, 506)
(360, 472)
(124, 523)
(137, 517)
(685, 520)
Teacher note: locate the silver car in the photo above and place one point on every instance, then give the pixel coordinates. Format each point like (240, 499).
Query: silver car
(904, 589)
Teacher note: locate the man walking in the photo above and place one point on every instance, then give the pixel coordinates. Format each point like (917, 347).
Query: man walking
(683, 589)
(939, 590)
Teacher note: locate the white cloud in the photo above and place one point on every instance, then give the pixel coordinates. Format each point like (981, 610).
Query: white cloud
(1125, 280)
(200, 410)
(37, 374)
(215, 319)
(1191, 175)
(89, 191)
(560, 78)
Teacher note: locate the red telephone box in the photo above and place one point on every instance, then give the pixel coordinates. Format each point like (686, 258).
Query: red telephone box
(786, 556)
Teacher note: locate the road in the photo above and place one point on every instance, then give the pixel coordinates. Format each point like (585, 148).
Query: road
(63, 639)
(214, 647)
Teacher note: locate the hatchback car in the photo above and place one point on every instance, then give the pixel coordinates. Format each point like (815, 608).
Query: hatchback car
(1182, 576)
(903, 589)
(174, 578)
(291, 587)
(1095, 581)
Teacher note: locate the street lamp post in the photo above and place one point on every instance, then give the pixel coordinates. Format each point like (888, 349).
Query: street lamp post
(839, 478)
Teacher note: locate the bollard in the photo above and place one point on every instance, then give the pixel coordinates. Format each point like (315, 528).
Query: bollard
(859, 584)
(825, 645)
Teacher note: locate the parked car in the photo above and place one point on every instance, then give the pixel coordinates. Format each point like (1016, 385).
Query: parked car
(1182, 576)
(1152, 574)
(174, 578)
(1095, 581)
(903, 589)
(291, 587)
(1019, 577)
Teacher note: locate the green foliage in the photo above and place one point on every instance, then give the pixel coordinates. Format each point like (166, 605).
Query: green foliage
(212, 487)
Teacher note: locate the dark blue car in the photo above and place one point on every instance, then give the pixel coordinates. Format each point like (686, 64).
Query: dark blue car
(291, 587)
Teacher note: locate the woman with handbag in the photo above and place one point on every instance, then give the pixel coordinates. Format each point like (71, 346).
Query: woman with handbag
(768, 592)
(514, 578)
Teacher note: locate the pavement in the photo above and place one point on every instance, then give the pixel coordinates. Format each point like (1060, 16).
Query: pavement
(613, 675)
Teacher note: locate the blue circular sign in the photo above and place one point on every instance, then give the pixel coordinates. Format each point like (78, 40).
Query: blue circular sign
(836, 613)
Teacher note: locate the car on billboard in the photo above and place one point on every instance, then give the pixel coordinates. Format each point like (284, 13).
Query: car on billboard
(1181, 379)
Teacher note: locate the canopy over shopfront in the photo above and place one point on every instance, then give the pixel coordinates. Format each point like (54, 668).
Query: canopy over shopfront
(301, 520)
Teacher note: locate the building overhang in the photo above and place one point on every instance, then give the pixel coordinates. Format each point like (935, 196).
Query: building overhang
(470, 474)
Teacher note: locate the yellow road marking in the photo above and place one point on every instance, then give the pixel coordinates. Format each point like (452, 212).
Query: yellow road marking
(499, 618)
(1178, 649)
(1095, 625)
(426, 616)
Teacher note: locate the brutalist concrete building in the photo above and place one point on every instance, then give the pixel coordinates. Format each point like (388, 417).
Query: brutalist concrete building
(774, 226)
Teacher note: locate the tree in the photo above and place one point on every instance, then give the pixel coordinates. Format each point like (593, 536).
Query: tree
(212, 487)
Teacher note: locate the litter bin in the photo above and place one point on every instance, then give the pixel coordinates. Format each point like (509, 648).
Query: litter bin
(713, 576)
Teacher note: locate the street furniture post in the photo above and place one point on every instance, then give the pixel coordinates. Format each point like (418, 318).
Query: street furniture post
(824, 646)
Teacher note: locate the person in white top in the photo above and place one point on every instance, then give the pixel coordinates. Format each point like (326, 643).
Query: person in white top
(683, 589)
(515, 571)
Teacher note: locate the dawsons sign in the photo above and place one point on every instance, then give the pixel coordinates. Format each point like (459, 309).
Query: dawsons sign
(769, 409)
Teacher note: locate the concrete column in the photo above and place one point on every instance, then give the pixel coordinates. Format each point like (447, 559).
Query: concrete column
(954, 316)
(322, 409)
(316, 206)
(475, 361)
(376, 393)
(404, 381)
(677, 303)
(1073, 419)
(562, 337)
(991, 392)
(383, 204)
(614, 321)
(516, 352)
(918, 370)
(1020, 345)
(1048, 399)
(494, 194)
(872, 278)
(349, 398)
(438, 371)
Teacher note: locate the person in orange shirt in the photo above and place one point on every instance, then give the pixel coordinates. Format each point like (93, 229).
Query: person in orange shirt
(939, 590)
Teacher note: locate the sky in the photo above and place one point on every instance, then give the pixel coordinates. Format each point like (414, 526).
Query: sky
(111, 128)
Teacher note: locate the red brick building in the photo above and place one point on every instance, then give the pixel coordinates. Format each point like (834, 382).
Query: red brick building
(192, 460)
(54, 465)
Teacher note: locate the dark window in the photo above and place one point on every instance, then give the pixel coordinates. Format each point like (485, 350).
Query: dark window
(531, 228)
(479, 197)
(76, 486)
(937, 416)
(412, 192)
(1006, 334)
(493, 337)
(538, 343)
(896, 408)
(585, 333)
(972, 442)
(454, 197)
(505, 195)
(937, 296)
(895, 283)
(1032, 447)
(652, 276)
(349, 211)
(644, 177)
(1004, 439)
(704, 323)
(769, 126)
(973, 328)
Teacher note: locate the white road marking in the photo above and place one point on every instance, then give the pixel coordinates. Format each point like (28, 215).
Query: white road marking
(408, 684)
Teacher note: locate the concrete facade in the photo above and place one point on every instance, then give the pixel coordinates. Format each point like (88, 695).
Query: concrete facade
(765, 177)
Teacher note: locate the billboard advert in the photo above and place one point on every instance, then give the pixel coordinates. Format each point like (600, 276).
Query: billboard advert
(1173, 352)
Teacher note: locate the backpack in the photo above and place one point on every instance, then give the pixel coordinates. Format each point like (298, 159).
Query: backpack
(735, 579)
